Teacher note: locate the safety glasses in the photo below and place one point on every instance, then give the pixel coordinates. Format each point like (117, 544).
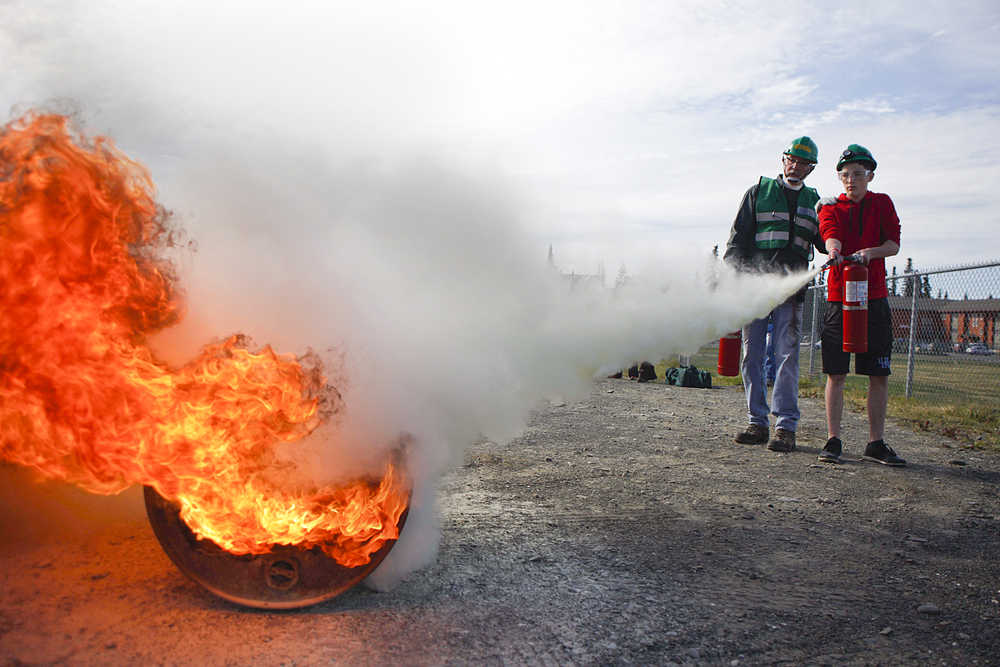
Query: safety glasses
(797, 162)
(856, 174)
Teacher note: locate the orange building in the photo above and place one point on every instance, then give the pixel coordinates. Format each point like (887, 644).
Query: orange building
(953, 321)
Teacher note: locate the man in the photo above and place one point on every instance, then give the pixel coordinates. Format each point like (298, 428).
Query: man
(863, 224)
(775, 231)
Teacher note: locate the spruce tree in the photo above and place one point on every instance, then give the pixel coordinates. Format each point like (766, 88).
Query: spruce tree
(622, 277)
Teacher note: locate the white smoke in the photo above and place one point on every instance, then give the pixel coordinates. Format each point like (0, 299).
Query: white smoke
(335, 206)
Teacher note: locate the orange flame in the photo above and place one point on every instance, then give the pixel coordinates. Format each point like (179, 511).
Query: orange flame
(82, 398)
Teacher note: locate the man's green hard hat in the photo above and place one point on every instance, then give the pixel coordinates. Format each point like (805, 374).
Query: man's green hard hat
(805, 148)
(856, 153)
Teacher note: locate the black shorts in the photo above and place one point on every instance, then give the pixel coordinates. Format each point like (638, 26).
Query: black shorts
(876, 361)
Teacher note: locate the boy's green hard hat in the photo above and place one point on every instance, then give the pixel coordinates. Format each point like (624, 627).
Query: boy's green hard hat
(856, 153)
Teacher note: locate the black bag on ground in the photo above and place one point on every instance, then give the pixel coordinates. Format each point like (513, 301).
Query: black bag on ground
(688, 376)
(646, 372)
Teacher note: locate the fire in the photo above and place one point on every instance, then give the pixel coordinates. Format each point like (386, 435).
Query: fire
(83, 283)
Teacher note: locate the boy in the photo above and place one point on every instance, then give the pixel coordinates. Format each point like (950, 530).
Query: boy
(863, 224)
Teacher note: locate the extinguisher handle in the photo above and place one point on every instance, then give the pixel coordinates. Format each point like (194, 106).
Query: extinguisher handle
(856, 258)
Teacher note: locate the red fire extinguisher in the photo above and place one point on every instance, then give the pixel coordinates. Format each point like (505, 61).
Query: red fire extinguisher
(855, 306)
(729, 354)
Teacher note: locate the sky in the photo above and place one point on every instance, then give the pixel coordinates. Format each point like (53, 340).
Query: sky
(380, 182)
(630, 129)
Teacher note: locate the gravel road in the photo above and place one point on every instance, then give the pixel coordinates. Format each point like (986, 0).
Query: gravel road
(625, 528)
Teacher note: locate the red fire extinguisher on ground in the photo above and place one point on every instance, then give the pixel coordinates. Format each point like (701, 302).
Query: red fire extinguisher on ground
(855, 305)
(729, 354)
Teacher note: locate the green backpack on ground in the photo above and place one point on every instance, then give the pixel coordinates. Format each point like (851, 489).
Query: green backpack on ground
(688, 376)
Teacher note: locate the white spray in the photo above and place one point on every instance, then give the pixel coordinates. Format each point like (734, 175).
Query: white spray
(436, 315)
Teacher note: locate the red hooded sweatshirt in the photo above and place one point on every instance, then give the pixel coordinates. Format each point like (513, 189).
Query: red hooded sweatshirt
(867, 224)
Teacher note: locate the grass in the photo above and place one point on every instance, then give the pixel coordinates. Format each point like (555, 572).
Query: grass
(954, 396)
(977, 426)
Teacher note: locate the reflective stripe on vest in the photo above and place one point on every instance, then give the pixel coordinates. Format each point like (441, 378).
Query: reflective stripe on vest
(806, 219)
(768, 216)
(770, 237)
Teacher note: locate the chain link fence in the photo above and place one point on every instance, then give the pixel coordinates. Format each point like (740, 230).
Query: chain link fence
(945, 344)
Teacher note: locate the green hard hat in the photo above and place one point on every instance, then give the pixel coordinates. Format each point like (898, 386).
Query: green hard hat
(856, 153)
(805, 148)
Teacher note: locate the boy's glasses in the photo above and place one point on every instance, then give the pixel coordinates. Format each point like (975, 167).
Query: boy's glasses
(856, 174)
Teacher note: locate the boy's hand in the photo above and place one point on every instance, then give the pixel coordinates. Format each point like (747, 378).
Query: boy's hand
(860, 257)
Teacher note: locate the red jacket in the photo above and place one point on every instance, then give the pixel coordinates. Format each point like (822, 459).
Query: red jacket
(841, 221)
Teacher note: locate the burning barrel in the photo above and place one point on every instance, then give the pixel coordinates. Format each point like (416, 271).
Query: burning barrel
(287, 577)
(293, 575)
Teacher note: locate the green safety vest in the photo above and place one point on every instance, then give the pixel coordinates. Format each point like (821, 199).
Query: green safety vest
(773, 229)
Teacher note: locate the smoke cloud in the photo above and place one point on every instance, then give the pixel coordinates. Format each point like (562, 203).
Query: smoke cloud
(340, 197)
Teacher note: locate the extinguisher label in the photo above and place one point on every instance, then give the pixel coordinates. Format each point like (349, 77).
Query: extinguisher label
(856, 291)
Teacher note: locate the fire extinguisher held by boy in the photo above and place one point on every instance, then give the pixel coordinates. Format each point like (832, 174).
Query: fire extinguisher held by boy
(864, 225)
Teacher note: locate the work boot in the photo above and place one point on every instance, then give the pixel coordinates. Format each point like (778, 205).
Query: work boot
(784, 441)
(879, 452)
(756, 434)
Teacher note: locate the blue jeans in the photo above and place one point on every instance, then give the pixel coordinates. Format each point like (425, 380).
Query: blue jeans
(787, 320)
(769, 366)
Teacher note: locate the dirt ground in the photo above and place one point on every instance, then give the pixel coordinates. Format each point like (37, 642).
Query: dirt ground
(626, 528)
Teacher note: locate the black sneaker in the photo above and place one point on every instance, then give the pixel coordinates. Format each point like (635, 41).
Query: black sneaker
(784, 441)
(831, 451)
(756, 434)
(879, 452)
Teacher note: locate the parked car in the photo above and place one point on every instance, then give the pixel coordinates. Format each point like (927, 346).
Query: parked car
(978, 348)
(932, 347)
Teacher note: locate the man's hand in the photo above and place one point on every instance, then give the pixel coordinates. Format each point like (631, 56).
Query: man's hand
(835, 257)
(824, 201)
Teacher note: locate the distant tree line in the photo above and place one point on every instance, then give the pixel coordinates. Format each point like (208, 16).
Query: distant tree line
(923, 284)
